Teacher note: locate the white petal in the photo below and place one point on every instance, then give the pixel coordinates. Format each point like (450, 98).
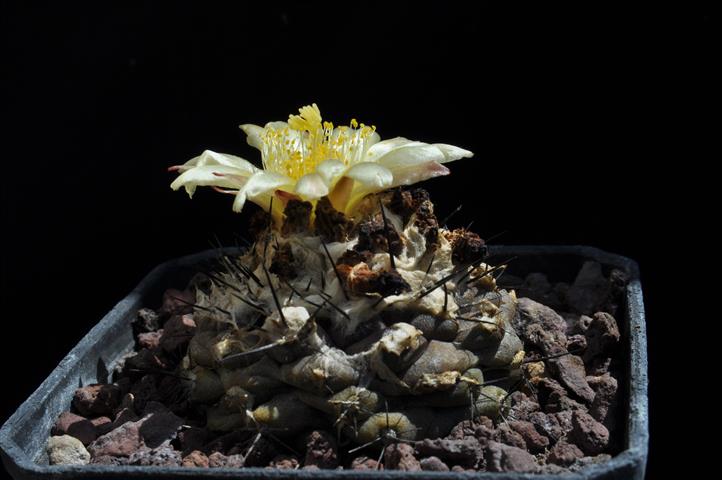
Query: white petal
(418, 173)
(331, 171)
(206, 175)
(259, 183)
(253, 133)
(414, 153)
(382, 148)
(373, 139)
(311, 186)
(371, 175)
(209, 157)
(277, 125)
(452, 153)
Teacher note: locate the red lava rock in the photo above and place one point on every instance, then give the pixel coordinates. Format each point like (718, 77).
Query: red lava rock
(120, 442)
(177, 302)
(590, 290)
(102, 425)
(503, 458)
(97, 399)
(506, 435)
(605, 399)
(482, 427)
(577, 343)
(226, 442)
(534, 441)
(196, 459)
(546, 387)
(564, 454)
(569, 369)
(547, 425)
(163, 456)
(159, 428)
(537, 287)
(193, 438)
(124, 384)
(588, 434)
(523, 406)
(150, 340)
(541, 326)
(76, 426)
(218, 460)
(564, 419)
(150, 432)
(109, 460)
(144, 391)
(145, 360)
(577, 324)
(561, 402)
(467, 452)
(284, 462)
(365, 463)
(174, 393)
(321, 450)
(602, 336)
(433, 464)
(177, 333)
(400, 456)
(124, 415)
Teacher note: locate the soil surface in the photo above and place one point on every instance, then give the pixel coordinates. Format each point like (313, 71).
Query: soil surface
(564, 410)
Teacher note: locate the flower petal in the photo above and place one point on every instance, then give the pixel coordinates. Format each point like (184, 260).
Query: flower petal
(417, 173)
(253, 133)
(371, 175)
(452, 152)
(258, 184)
(378, 149)
(414, 153)
(209, 157)
(208, 175)
(311, 186)
(331, 171)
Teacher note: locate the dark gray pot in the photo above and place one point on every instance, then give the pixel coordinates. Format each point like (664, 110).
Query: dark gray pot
(23, 437)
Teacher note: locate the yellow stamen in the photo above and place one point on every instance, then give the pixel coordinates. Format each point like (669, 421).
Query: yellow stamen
(307, 141)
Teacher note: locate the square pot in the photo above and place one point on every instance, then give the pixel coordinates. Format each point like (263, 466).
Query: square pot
(24, 435)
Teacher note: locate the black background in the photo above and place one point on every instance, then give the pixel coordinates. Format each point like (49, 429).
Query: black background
(565, 111)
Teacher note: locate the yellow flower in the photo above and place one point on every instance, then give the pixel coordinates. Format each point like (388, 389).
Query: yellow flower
(307, 158)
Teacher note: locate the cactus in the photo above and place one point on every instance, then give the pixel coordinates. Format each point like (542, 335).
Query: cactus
(353, 307)
(304, 332)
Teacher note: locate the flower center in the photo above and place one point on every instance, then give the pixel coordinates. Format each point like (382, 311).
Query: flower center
(307, 141)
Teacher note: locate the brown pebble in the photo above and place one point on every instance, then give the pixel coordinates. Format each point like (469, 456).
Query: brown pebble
(588, 434)
(76, 426)
(564, 454)
(96, 399)
(400, 456)
(365, 463)
(321, 450)
(284, 462)
(433, 464)
(196, 459)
